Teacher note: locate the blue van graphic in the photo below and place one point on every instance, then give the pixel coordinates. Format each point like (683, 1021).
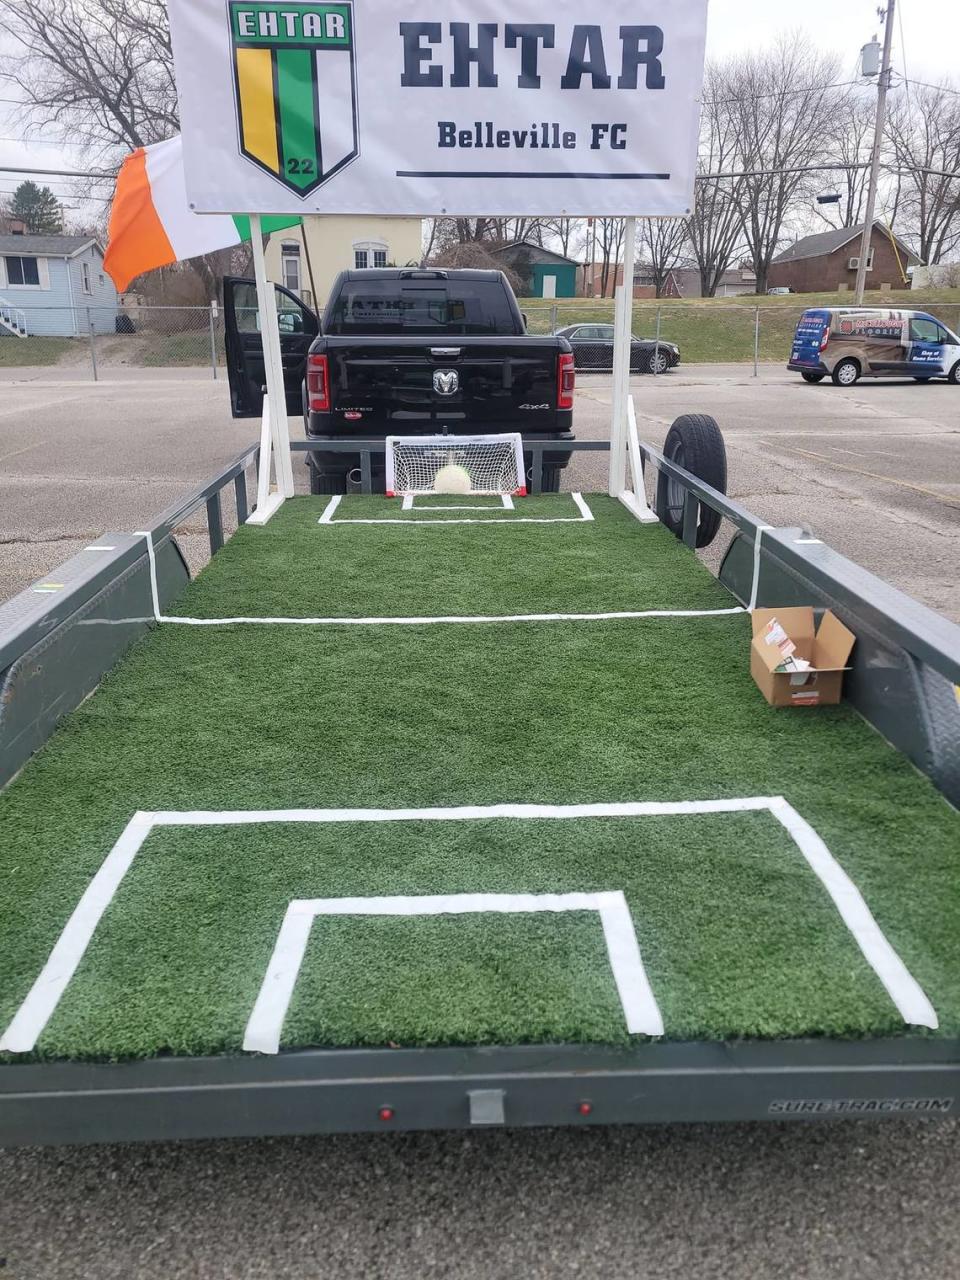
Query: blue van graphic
(846, 344)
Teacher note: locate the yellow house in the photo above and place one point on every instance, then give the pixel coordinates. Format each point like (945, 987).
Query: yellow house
(335, 244)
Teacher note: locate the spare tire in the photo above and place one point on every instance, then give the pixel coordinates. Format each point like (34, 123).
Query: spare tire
(695, 443)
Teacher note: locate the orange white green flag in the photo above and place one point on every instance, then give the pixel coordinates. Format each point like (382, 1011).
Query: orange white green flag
(152, 224)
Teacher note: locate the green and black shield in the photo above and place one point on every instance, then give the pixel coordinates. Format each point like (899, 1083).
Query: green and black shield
(296, 89)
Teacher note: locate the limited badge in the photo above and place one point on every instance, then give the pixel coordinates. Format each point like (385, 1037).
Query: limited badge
(296, 89)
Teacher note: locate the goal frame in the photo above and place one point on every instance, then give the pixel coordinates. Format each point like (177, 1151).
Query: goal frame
(512, 437)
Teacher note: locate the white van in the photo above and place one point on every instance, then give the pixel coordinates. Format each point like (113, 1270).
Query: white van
(850, 343)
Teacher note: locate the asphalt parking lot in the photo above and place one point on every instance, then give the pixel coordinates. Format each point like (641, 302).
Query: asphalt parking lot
(875, 471)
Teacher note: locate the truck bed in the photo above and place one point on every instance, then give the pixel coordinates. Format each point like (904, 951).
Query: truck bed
(301, 756)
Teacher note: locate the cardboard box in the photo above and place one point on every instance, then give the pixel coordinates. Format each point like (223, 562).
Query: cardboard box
(827, 648)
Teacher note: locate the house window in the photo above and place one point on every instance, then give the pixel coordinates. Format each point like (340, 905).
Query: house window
(369, 253)
(25, 271)
(290, 265)
(85, 277)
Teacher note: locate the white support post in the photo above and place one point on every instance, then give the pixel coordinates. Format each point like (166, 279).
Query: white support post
(267, 501)
(623, 333)
(275, 405)
(635, 500)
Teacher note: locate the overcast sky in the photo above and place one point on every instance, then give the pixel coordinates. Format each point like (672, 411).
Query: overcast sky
(931, 40)
(931, 30)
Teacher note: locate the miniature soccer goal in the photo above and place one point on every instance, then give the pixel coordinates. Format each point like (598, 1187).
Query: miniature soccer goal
(455, 464)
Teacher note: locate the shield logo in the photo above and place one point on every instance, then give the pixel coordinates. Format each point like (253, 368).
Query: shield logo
(446, 382)
(296, 89)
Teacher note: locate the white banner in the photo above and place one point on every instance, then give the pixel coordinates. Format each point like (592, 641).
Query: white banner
(422, 107)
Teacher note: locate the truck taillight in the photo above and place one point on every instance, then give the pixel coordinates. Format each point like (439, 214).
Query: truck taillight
(825, 339)
(318, 384)
(566, 376)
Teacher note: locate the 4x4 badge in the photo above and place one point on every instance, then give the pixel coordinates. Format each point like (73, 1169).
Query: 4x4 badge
(296, 88)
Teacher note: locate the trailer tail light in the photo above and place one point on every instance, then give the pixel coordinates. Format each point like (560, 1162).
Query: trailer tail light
(318, 384)
(566, 377)
(825, 339)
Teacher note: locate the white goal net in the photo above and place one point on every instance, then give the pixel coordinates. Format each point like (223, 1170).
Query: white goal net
(455, 464)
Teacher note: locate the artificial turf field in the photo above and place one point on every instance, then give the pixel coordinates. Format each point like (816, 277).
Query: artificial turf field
(738, 937)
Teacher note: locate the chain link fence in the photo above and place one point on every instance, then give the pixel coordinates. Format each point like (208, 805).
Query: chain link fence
(99, 339)
(706, 333)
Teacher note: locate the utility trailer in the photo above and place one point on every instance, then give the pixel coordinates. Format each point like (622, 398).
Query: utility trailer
(392, 819)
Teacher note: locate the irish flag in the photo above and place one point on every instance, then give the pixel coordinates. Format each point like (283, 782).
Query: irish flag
(152, 224)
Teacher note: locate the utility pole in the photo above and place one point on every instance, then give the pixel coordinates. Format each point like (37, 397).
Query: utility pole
(883, 84)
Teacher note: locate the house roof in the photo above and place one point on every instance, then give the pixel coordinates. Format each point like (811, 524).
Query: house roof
(46, 246)
(826, 242)
(538, 248)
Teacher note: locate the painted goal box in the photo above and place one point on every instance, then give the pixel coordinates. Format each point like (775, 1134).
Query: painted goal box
(473, 106)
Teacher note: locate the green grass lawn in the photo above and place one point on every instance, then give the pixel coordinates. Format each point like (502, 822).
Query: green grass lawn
(738, 937)
(26, 352)
(164, 350)
(722, 329)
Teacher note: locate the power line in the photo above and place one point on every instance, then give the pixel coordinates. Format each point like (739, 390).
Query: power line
(41, 142)
(823, 168)
(790, 93)
(923, 84)
(56, 173)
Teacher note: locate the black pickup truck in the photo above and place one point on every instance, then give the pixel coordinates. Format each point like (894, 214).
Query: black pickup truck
(405, 352)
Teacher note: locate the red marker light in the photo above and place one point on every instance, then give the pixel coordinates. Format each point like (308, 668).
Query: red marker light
(585, 1108)
(386, 1113)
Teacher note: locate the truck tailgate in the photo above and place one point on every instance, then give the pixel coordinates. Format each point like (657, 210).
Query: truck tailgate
(428, 383)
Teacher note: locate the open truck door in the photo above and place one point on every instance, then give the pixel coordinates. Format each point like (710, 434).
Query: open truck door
(244, 345)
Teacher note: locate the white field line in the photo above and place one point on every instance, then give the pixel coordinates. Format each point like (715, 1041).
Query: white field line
(42, 999)
(640, 1010)
(44, 996)
(585, 516)
(755, 584)
(506, 504)
(446, 620)
(330, 508)
(441, 619)
(151, 556)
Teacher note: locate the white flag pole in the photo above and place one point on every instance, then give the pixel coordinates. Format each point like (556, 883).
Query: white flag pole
(623, 327)
(273, 366)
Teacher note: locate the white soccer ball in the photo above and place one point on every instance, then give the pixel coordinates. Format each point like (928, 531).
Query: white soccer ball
(452, 479)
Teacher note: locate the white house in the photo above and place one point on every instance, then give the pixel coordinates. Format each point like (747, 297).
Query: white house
(338, 243)
(54, 286)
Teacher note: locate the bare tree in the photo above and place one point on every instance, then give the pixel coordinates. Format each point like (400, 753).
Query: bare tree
(479, 256)
(610, 242)
(780, 96)
(925, 135)
(662, 242)
(99, 72)
(446, 232)
(714, 226)
(567, 232)
(848, 141)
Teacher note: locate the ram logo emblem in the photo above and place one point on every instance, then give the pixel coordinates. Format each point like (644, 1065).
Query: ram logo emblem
(446, 382)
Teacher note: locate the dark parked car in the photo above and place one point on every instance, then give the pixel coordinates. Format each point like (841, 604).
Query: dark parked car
(593, 349)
